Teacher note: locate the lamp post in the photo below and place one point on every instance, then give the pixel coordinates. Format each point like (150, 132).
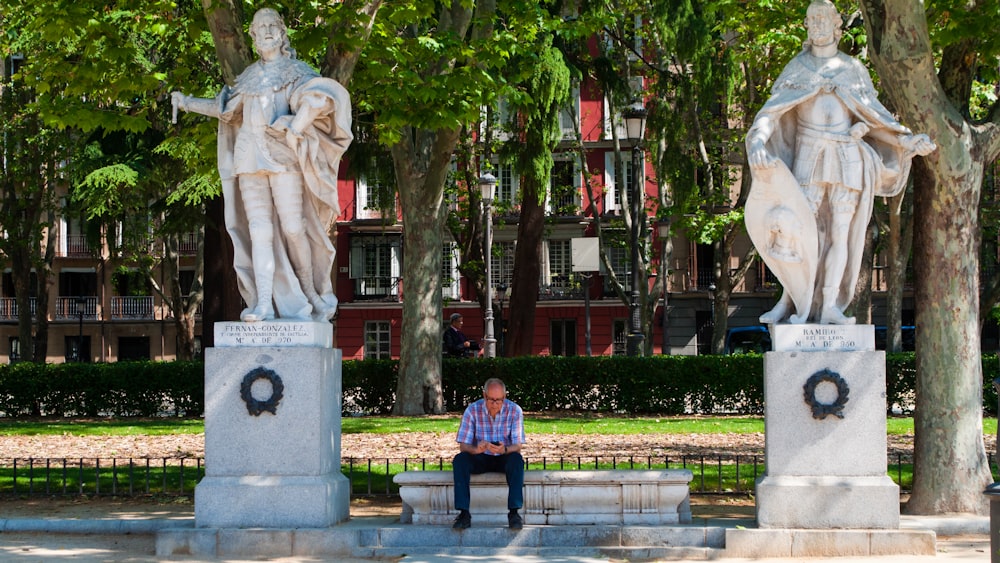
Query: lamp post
(487, 184)
(711, 302)
(635, 124)
(81, 309)
(502, 333)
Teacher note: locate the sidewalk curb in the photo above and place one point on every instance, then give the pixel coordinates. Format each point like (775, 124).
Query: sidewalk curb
(956, 525)
(91, 526)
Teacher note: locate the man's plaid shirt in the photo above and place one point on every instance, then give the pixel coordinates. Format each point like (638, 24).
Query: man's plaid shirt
(507, 427)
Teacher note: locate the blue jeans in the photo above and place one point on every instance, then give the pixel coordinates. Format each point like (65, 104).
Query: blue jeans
(511, 465)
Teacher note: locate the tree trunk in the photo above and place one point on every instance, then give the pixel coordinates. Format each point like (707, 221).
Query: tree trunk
(421, 162)
(861, 306)
(900, 244)
(950, 464)
(720, 297)
(524, 286)
(225, 19)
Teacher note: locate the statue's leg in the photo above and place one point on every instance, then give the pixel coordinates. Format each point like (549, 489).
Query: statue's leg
(834, 268)
(256, 193)
(288, 201)
(780, 311)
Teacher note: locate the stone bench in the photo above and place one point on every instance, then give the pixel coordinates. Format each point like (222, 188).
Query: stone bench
(554, 497)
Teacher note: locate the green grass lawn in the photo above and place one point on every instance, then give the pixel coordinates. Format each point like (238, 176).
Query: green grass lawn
(727, 474)
(533, 424)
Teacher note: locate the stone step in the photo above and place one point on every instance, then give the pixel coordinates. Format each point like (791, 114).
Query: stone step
(635, 553)
(405, 537)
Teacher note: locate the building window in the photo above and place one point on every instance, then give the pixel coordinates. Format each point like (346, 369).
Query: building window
(376, 194)
(72, 283)
(619, 258)
(569, 116)
(560, 260)
(377, 340)
(74, 351)
(560, 280)
(15, 349)
(564, 198)
(562, 341)
(133, 348)
(613, 191)
(376, 266)
(449, 271)
(636, 87)
(619, 336)
(704, 266)
(507, 185)
(502, 263)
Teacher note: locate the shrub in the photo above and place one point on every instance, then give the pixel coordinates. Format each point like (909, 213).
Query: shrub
(102, 389)
(612, 384)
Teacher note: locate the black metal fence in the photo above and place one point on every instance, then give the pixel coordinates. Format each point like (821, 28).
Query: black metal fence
(175, 477)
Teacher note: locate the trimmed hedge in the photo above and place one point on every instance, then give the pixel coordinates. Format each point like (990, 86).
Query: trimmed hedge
(613, 384)
(658, 384)
(120, 389)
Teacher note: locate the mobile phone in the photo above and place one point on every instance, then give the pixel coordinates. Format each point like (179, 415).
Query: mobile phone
(497, 443)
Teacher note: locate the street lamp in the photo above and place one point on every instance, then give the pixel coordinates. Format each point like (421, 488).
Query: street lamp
(487, 185)
(81, 309)
(635, 124)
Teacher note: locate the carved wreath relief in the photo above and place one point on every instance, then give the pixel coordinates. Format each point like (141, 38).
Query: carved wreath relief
(821, 410)
(256, 406)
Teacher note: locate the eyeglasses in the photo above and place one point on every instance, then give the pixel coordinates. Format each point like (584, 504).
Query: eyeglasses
(492, 400)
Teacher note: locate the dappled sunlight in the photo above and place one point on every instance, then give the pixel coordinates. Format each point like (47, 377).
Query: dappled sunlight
(77, 547)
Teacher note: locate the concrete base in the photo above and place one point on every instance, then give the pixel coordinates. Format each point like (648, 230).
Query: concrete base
(758, 544)
(275, 465)
(272, 502)
(827, 502)
(826, 470)
(386, 540)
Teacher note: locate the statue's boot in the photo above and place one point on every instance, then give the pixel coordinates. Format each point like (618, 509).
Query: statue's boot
(831, 314)
(778, 313)
(322, 310)
(264, 280)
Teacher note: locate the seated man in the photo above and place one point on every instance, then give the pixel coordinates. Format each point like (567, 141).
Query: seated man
(490, 439)
(456, 344)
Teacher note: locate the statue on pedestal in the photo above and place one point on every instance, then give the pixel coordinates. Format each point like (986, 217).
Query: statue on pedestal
(820, 150)
(282, 132)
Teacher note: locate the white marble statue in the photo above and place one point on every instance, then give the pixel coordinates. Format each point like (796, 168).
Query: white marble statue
(820, 150)
(282, 131)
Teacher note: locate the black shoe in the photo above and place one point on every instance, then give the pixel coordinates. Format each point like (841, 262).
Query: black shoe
(463, 521)
(514, 521)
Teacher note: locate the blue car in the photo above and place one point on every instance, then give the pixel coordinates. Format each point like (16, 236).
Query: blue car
(909, 338)
(747, 340)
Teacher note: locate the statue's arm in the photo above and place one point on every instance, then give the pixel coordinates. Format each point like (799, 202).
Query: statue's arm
(311, 106)
(212, 107)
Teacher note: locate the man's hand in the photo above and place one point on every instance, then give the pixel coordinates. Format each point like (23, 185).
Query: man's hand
(494, 448)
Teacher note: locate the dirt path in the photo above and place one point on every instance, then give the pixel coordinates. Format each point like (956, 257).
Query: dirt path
(410, 445)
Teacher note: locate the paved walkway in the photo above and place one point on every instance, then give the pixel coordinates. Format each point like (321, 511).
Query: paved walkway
(41, 547)
(129, 536)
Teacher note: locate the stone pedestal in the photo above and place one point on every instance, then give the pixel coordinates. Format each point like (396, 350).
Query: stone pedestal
(825, 428)
(272, 432)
